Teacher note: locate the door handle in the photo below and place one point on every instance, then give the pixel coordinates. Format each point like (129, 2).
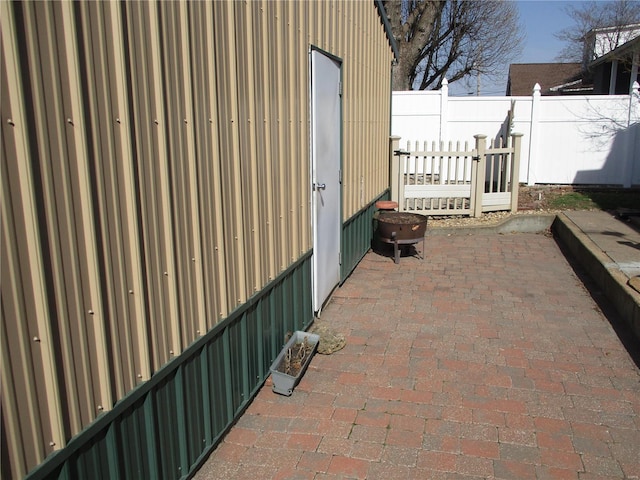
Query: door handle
(319, 186)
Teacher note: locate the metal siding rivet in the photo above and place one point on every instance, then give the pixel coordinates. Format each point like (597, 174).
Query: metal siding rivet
(100, 407)
(185, 121)
(10, 122)
(170, 352)
(166, 274)
(52, 444)
(118, 120)
(155, 121)
(130, 292)
(210, 121)
(90, 312)
(36, 339)
(193, 259)
(139, 375)
(69, 121)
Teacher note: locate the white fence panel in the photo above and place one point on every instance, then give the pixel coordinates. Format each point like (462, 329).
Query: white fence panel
(417, 114)
(577, 140)
(582, 140)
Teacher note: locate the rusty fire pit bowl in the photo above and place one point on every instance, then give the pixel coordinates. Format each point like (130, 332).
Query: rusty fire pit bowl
(407, 226)
(400, 229)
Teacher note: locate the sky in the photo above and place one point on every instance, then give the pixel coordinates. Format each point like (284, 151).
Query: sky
(541, 19)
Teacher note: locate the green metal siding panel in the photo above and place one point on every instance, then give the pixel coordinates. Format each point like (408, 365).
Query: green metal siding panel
(133, 442)
(220, 412)
(151, 437)
(163, 429)
(169, 435)
(92, 461)
(253, 348)
(237, 363)
(357, 233)
(193, 394)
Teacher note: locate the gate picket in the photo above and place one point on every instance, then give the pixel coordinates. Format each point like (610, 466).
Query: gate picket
(441, 181)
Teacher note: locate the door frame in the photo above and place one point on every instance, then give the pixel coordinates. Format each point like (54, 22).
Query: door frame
(313, 197)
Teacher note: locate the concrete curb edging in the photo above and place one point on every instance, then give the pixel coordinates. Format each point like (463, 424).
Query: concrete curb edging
(612, 281)
(515, 224)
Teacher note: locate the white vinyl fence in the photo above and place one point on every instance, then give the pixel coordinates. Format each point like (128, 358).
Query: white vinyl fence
(579, 140)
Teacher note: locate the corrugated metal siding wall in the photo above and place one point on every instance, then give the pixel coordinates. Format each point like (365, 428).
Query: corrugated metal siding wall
(155, 176)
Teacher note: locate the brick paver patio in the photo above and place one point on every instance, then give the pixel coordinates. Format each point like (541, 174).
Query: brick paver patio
(487, 360)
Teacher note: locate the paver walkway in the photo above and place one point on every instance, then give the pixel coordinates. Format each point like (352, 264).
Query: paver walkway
(487, 360)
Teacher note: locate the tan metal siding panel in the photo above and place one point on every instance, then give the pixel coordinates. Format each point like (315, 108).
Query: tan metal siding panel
(24, 390)
(175, 61)
(83, 261)
(153, 176)
(51, 251)
(69, 223)
(264, 135)
(250, 207)
(208, 160)
(198, 318)
(109, 147)
(278, 88)
(303, 182)
(225, 51)
(293, 156)
(29, 395)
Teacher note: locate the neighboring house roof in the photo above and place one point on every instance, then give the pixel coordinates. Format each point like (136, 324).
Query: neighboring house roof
(550, 76)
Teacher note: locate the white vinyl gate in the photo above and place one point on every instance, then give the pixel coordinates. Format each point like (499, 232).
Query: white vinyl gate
(456, 180)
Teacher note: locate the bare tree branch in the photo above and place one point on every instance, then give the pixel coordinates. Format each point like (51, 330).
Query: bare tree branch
(591, 15)
(451, 38)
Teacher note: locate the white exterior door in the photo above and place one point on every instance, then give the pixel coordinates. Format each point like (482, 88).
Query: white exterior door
(325, 175)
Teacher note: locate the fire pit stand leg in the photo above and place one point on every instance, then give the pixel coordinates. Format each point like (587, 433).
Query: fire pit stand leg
(396, 252)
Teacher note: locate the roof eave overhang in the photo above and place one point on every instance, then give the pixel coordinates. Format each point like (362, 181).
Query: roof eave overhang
(387, 28)
(631, 46)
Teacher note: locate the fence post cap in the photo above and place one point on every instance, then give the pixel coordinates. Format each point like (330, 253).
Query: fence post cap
(479, 136)
(517, 134)
(394, 137)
